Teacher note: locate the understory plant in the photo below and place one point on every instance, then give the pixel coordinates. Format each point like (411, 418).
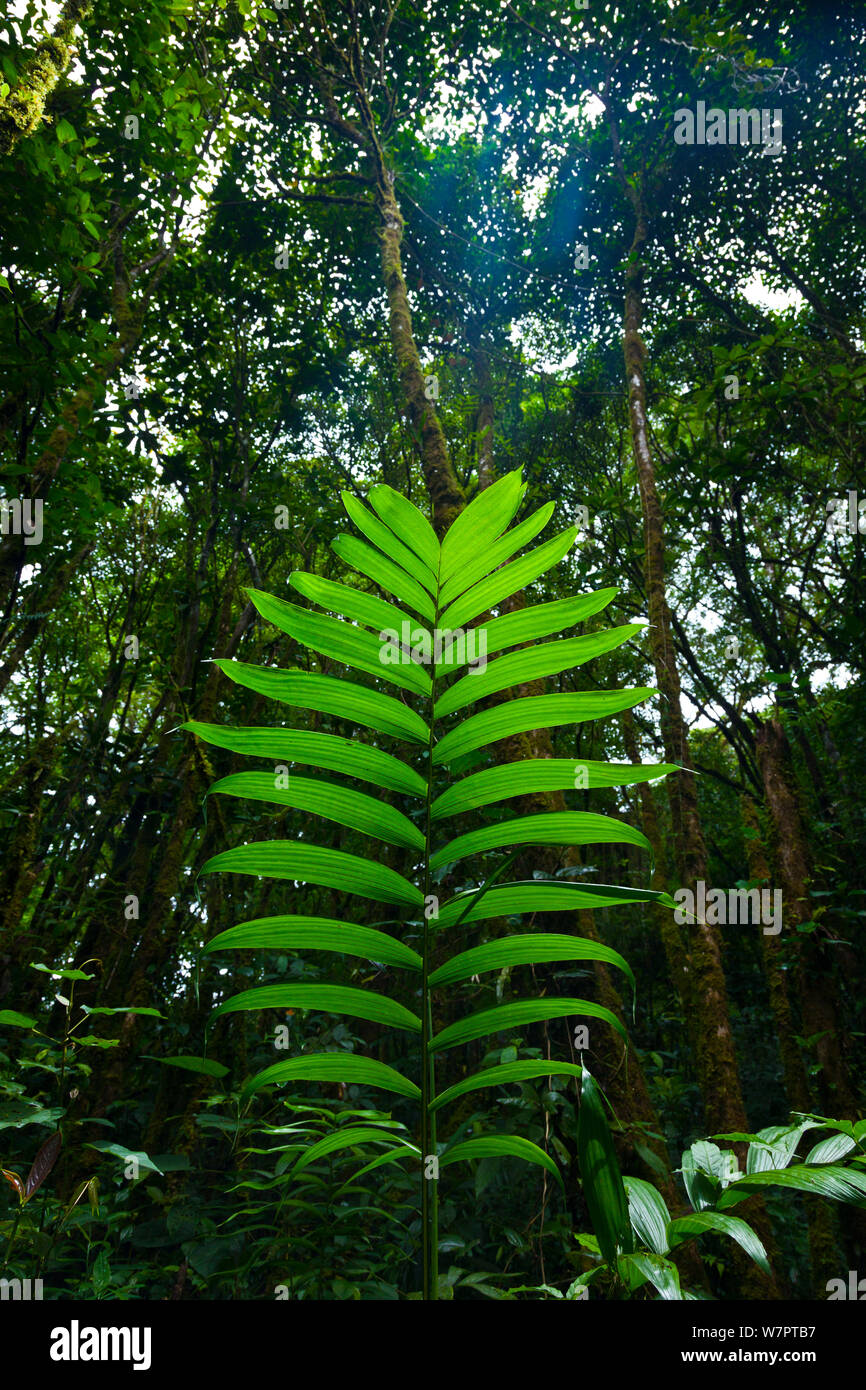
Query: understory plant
(634, 1235)
(428, 753)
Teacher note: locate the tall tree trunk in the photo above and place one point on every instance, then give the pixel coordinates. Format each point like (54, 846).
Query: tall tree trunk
(716, 1058)
(821, 1219)
(31, 624)
(446, 498)
(19, 873)
(669, 932)
(821, 1014)
(621, 1070)
(484, 416)
(716, 1054)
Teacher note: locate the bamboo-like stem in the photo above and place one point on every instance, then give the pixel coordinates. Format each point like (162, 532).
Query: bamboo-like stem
(429, 1185)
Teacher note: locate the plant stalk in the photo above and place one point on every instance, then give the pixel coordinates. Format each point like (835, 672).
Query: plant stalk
(429, 1186)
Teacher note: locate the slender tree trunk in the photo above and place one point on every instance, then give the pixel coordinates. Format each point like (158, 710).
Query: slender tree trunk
(42, 605)
(716, 1054)
(19, 872)
(484, 417)
(446, 498)
(716, 1058)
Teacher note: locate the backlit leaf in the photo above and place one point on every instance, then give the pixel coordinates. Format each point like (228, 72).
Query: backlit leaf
(305, 863)
(505, 1075)
(506, 1017)
(290, 933)
(500, 1146)
(335, 1067)
(332, 999)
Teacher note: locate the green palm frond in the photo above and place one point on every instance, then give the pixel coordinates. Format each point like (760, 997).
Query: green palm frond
(414, 676)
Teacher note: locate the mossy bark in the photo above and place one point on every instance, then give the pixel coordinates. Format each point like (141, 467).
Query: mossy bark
(131, 973)
(484, 417)
(31, 624)
(446, 497)
(823, 1244)
(22, 109)
(793, 1068)
(20, 871)
(670, 933)
(819, 1000)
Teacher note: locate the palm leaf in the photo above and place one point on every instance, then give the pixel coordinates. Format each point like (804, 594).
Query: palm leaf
(405, 520)
(543, 619)
(538, 896)
(481, 523)
(603, 1186)
(479, 563)
(539, 775)
(828, 1180)
(478, 566)
(508, 580)
(643, 1268)
(288, 933)
(348, 602)
(503, 1075)
(386, 541)
(525, 950)
(325, 751)
(330, 999)
(508, 1016)
(697, 1223)
(328, 799)
(343, 1067)
(394, 1155)
(501, 1146)
(352, 646)
(648, 1214)
(348, 1138)
(328, 695)
(547, 828)
(533, 712)
(384, 573)
(837, 1146)
(548, 659)
(331, 868)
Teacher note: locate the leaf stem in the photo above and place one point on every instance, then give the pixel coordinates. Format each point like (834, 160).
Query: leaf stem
(13, 1233)
(429, 1185)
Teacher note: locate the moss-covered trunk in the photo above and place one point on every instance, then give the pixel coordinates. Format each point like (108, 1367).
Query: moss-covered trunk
(22, 109)
(446, 498)
(821, 1218)
(716, 1055)
(819, 999)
